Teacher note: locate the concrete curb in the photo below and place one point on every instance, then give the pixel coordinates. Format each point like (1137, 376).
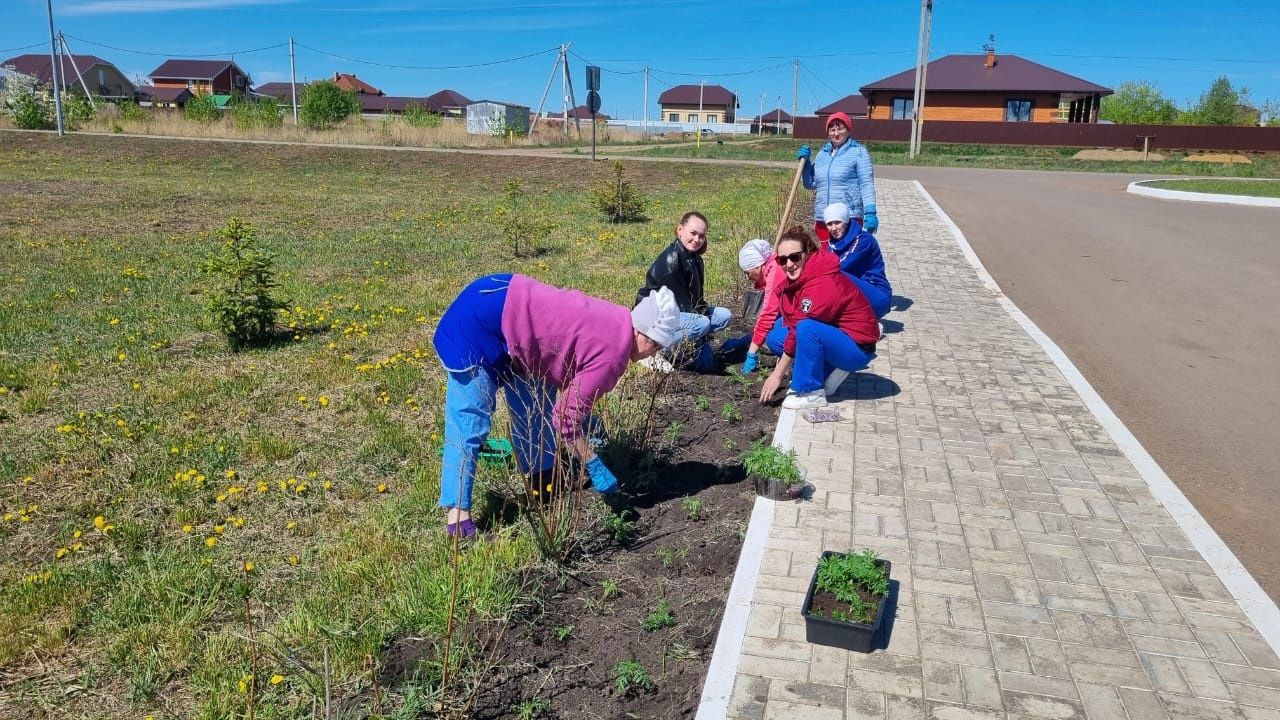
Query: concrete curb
(1139, 188)
(718, 686)
(1261, 610)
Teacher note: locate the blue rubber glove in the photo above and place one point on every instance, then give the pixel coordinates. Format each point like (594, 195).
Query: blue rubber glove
(603, 480)
(749, 365)
(869, 219)
(804, 152)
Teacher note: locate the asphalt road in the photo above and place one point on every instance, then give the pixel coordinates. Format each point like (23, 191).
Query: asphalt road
(1170, 309)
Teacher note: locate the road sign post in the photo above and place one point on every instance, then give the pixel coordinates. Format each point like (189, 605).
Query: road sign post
(593, 102)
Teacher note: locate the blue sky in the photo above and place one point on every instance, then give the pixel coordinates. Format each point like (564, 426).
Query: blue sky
(747, 46)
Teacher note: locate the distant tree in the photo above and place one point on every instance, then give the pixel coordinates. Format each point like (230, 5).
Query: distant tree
(1138, 103)
(324, 105)
(1271, 113)
(202, 109)
(1219, 105)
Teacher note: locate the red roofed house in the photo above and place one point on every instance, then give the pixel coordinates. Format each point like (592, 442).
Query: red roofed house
(351, 83)
(449, 103)
(281, 91)
(210, 77)
(988, 88)
(100, 76)
(698, 104)
(855, 106)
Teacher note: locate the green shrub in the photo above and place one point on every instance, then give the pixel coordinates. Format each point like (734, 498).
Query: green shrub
(324, 105)
(844, 575)
(242, 305)
(770, 462)
(29, 113)
(202, 109)
(250, 114)
(617, 199)
(659, 618)
(418, 116)
(76, 110)
(130, 110)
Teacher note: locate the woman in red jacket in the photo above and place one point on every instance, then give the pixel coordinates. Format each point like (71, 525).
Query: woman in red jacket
(831, 328)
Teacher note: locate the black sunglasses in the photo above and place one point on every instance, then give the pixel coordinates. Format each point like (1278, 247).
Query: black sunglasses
(794, 257)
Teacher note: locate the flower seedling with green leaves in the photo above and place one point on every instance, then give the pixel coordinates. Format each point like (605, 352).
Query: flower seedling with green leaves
(631, 678)
(659, 618)
(692, 507)
(769, 462)
(856, 582)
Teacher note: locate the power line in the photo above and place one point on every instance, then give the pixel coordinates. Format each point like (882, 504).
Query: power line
(723, 74)
(28, 47)
(430, 67)
(608, 70)
(177, 54)
(819, 79)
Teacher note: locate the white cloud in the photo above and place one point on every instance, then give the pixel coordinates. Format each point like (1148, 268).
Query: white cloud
(113, 7)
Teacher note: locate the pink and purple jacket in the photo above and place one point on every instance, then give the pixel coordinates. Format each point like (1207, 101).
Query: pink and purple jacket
(774, 278)
(575, 342)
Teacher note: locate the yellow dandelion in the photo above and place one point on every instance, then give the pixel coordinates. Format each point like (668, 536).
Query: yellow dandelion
(115, 321)
(262, 487)
(221, 497)
(382, 487)
(230, 474)
(137, 386)
(27, 480)
(100, 522)
(328, 485)
(120, 423)
(290, 525)
(302, 399)
(217, 529)
(62, 552)
(248, 566)
(277, 679)
(187, 528)
(210, 541)
(293, 560)
(121, 357)
(323, 400)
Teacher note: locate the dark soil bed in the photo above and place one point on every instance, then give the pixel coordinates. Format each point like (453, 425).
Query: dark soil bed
(558, 660)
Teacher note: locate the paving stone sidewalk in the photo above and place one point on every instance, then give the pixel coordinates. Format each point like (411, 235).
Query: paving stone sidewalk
(1037, 575)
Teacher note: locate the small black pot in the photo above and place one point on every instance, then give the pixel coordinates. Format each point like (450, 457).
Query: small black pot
(775, 489)
(857, 637)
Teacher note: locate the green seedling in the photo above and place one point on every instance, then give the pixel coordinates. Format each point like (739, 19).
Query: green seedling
(702, 403)
(533, 708)
(563, 632)
(770, 462)
(730, 444)
(731, 413)
(672, 433)
(630, 678)
(670, 557)
(609, 589)
(845, 575)
(618, 526)
(692, 508)
(659, 618)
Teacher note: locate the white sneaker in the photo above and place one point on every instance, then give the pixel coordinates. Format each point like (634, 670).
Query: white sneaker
(881, 331)
(805, 401)
(658, 364)
(834, 380)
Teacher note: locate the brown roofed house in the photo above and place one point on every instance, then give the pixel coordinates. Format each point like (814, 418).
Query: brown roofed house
(698, 104)
(101, 77)
(988, 88)
(855, 106)
(449, 103)
(208, 77)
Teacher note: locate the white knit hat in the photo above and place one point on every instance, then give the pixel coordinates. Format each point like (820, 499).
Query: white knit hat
(658, 316)
(836, 211)
(754, 254)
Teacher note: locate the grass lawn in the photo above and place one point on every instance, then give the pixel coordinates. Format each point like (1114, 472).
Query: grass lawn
(1222, 187)
(1009, 157)
(185, 527)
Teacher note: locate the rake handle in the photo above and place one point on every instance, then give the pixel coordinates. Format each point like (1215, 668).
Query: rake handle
(791, 197)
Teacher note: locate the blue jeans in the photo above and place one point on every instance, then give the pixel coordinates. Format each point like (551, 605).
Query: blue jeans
(820, 348)
(470, 399)
(879, 297)
(777, 337)
(695, 326)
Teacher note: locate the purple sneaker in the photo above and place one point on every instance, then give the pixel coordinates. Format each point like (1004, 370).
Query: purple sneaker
(466, 528)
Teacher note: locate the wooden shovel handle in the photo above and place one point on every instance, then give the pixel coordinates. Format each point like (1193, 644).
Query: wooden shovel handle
(791, 197)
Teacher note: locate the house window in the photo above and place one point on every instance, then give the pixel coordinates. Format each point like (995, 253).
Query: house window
(1017, 110)
(713, 118)
(903, 108)
(692, 117)
(673, 117)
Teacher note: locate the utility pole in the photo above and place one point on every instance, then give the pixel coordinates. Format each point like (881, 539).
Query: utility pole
(697, 143)
(924, 77)
(795, 90)
(922, 62)
(53, 70)
(545, 91)
(644, 122)
(67, 49)
(293, 81)
(761, 119)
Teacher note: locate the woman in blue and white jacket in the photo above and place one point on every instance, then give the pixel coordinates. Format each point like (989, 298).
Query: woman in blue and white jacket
(842, 173)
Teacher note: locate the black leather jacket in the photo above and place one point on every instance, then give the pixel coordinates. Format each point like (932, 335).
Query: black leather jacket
(682, 272)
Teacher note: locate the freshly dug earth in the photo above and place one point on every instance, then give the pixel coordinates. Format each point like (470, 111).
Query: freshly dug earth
(560, 657)
(1226, 158)
(1124, 155)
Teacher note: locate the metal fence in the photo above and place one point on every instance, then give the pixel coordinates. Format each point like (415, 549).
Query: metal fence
(1163, 137)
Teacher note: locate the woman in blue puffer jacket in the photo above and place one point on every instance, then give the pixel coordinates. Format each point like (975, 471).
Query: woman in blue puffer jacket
(842, 172)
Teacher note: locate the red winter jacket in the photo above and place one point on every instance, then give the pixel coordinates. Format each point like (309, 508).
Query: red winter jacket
(825, 294)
